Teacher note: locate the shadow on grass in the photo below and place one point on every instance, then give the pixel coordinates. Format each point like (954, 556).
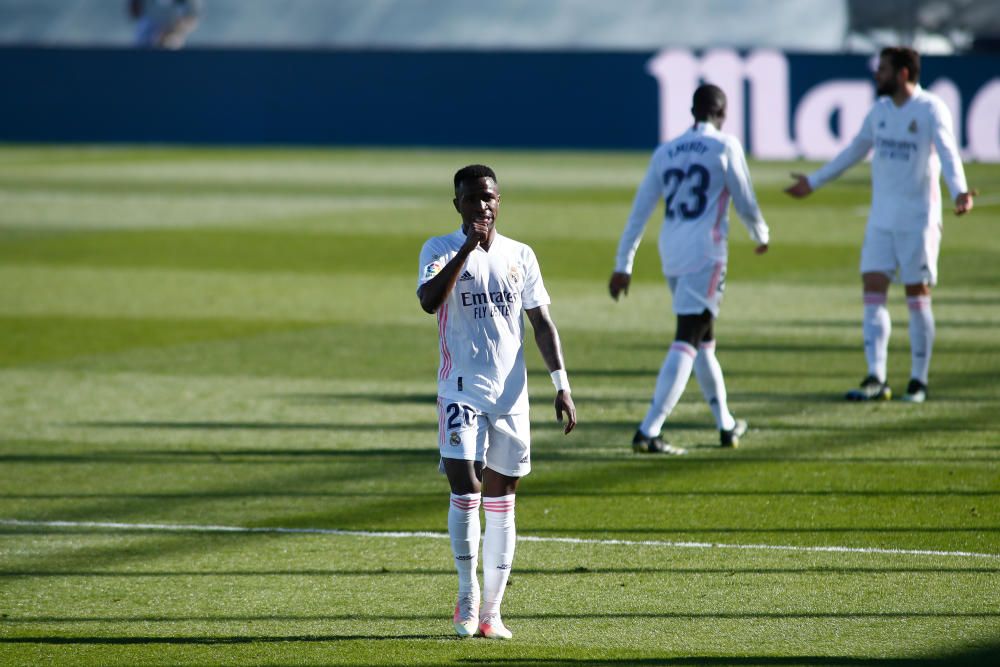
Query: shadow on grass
(359, 397)
(256, 426)
(972, 657)
(305, 618)
(201, 640)
(943, 423)
(575, 493)
(521, 572)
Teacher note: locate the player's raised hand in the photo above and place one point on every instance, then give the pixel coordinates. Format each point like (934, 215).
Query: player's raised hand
(963, 202)
(476, 233)
(619, 283)
(800, 188)
(564, 403)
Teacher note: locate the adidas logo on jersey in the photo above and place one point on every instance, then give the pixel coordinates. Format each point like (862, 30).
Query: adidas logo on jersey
(467, 276)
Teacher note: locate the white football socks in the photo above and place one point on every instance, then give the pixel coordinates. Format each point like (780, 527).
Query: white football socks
(464, 530)
(670, 383)
(499, 539)
(921, 336)
(713, 387)
(876, 327)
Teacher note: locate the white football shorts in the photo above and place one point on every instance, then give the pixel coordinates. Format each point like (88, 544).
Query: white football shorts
(909, 257)
(695, 292)
(501, 442)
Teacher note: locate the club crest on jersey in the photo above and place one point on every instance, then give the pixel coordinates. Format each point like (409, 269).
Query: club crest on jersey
(455, 439)
(514, 274)
(913, 127)
(432, 269)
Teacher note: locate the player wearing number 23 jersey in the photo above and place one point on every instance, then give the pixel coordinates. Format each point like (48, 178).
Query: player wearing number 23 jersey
(695, 175)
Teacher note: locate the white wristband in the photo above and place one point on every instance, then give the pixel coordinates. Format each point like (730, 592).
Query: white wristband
(560, 380)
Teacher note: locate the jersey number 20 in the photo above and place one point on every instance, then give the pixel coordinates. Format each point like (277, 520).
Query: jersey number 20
(695, 182)
(459, 415)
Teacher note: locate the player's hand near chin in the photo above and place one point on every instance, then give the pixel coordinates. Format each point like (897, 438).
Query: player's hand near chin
(476, 234)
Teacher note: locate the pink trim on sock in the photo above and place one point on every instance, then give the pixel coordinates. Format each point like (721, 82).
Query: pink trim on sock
(465, 504)
(916, 303)
(498, 505)
(708, 347)
(875, 298)
(684, 348)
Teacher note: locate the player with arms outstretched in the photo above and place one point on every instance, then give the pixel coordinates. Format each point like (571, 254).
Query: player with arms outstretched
(695, 175)
(479, 283)
(911, 132)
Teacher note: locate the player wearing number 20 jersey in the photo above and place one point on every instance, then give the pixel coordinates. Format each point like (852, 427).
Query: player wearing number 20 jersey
(695, 175)
(481, 285)
(480, 324)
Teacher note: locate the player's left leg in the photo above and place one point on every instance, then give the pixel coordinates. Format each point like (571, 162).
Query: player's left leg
(508, 458)
(708, 371)
(918, 269)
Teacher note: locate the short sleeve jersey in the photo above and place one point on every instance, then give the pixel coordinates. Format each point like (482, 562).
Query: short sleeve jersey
(912, 144)
(480, 324)
(695, 175)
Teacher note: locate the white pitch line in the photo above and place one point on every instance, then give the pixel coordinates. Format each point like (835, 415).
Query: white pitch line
(202, 528)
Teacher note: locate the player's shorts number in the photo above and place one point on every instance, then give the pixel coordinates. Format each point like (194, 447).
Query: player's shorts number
(696, 179)
(459, 415)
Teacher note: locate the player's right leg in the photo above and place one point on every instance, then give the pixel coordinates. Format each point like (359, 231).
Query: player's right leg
(461, 444)
(878, 264)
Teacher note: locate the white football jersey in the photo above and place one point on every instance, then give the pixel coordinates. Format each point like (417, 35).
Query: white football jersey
(480, 324)
(695, 175)
(912, 143)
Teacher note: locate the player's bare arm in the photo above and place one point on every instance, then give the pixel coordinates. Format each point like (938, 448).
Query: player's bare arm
(800, 188)
(619, 284)
(434, 292)
(547, 339)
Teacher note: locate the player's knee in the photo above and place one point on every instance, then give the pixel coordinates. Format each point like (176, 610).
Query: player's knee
(692, 329)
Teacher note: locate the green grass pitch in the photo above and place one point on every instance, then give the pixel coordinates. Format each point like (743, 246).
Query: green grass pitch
(230, 338)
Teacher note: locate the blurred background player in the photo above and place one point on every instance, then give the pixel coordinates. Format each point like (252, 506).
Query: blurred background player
(479, 282)
(695, 174)
(163, 24)
(911, 131)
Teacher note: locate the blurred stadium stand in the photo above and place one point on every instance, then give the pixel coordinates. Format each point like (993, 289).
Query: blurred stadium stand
(460, 24)
(932, 26)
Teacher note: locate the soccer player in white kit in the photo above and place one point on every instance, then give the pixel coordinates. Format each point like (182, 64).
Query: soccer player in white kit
(695, 175)
(911, 132)
(479, 283)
